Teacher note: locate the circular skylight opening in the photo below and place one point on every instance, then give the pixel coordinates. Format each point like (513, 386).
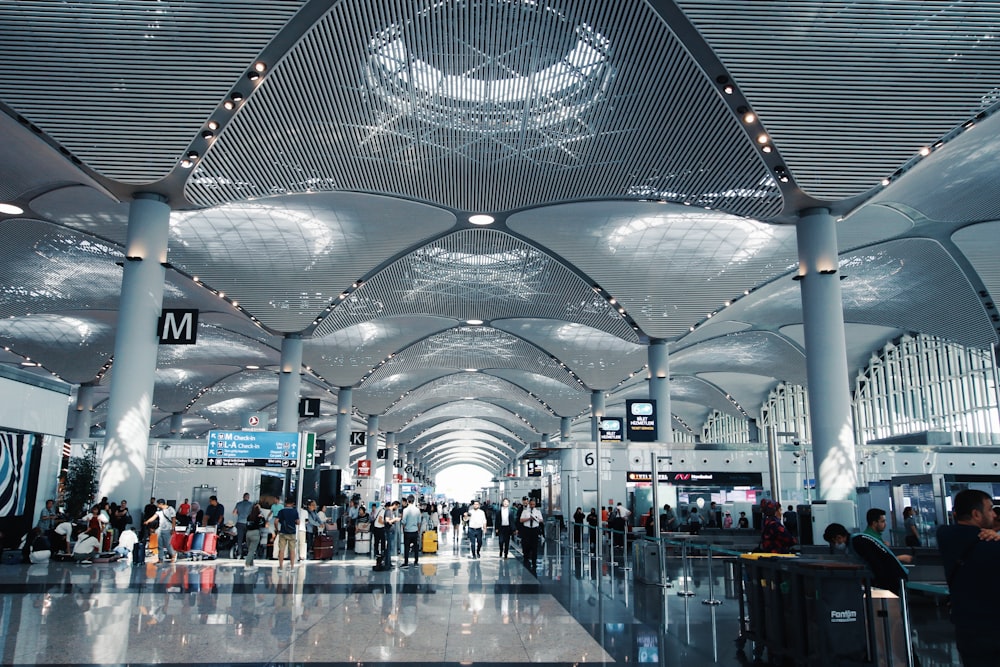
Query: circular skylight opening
(481, 219)
(474, 323)
(10, 209)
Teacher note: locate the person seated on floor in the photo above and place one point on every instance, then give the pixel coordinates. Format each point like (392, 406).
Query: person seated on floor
(41, 550)
(87, 546)
(126, 543)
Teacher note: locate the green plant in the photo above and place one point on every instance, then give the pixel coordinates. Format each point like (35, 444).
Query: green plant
(81, 484)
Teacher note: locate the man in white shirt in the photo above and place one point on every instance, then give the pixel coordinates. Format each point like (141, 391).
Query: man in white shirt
(477, 524)
(86, 547)
(531, 524)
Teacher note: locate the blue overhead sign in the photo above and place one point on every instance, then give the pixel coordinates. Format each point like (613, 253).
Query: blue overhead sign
(270, 449)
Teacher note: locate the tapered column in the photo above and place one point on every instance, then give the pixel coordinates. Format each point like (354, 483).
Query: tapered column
(289, 384)
(123, 466)
(84, 411)
(659, 388)
(596, 412)
(371, 441)
(565, 428)
(176, 423)
(826, 357)
(342, 454)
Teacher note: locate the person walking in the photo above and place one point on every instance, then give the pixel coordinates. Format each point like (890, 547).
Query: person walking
(254, 527)
(477, 525)
(504, 523)
(531, 522)
(163, 521)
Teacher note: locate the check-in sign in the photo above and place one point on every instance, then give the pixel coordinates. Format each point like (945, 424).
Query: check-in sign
(268, 449)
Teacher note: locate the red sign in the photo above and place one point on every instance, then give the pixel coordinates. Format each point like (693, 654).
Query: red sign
(397, 477)
(364, 468)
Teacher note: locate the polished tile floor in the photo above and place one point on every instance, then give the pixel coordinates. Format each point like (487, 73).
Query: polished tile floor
(449, 610)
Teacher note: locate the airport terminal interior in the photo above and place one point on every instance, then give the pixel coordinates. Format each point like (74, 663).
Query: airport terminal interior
(697, 253)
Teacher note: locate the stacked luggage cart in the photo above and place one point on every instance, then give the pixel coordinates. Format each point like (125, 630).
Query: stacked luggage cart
(199, 545)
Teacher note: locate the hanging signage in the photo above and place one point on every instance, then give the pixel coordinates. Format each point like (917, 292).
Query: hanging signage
(609, 430)
(534, 470)
(382, 454)
(640, 420)
(178, 326)
(271, 449)
(308, 408)
(309, 462)
(364, 468)
(359, 438)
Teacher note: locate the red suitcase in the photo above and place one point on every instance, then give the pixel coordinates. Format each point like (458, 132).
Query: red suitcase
(179, 542)
(323, 547)
(106, 541)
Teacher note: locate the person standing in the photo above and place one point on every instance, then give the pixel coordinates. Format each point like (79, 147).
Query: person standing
(531, 522)
(504, 522)
(911, 527)
(578, 519)
(242, 512)
(970, 555)
(592, 522)
(164, 519)
(287, 522)
(774, 537)
(875, 518)
(215, 513)
(791, 521)
(378, 532)
(477, 525)
(148, 511)
(391, 532)
(254, 526)
(668, 519)
(411, 531)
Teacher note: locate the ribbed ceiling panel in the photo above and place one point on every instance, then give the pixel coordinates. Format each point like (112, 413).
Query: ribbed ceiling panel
(598, 358)
(563, 399)
(375, 398)
(287, 259)
(125, 85)
(442, 423)
(73, 346)
(669, 266)
(345, 356)
(458, 387)
(849, 91)
(486, 411)
(477, 348)
(544, 102)
(177, 386)
(979, 245)
(44, 268)
(755, 352)
(478, 274)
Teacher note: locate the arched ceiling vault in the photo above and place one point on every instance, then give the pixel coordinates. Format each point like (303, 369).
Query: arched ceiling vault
(642, 163)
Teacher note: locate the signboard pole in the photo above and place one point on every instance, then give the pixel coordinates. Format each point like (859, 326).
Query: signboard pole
(600, 507)
(300, 464)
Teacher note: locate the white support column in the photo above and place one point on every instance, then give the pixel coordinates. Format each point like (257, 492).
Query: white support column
(123, 466)
(826, 356)
(565, 428)
(659, 388)
(84, 411)
(176, 424)
(289, 384)
(342, 454)
(371, 441)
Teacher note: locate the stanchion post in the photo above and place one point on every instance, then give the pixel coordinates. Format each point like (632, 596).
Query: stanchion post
(685, 571)
(711, 582)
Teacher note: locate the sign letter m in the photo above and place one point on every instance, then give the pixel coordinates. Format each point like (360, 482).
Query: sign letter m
(178, 326)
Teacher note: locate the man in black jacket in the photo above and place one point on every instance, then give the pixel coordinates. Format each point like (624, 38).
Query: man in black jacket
(971, 552)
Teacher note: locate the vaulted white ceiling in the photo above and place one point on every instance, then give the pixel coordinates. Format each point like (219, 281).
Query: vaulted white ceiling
(642, 161)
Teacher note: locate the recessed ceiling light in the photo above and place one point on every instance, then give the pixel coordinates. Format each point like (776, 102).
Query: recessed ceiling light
(481, 219)
(252, 367)
(474, 323)
(762, 139)
(10, 209)
(471, 370)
